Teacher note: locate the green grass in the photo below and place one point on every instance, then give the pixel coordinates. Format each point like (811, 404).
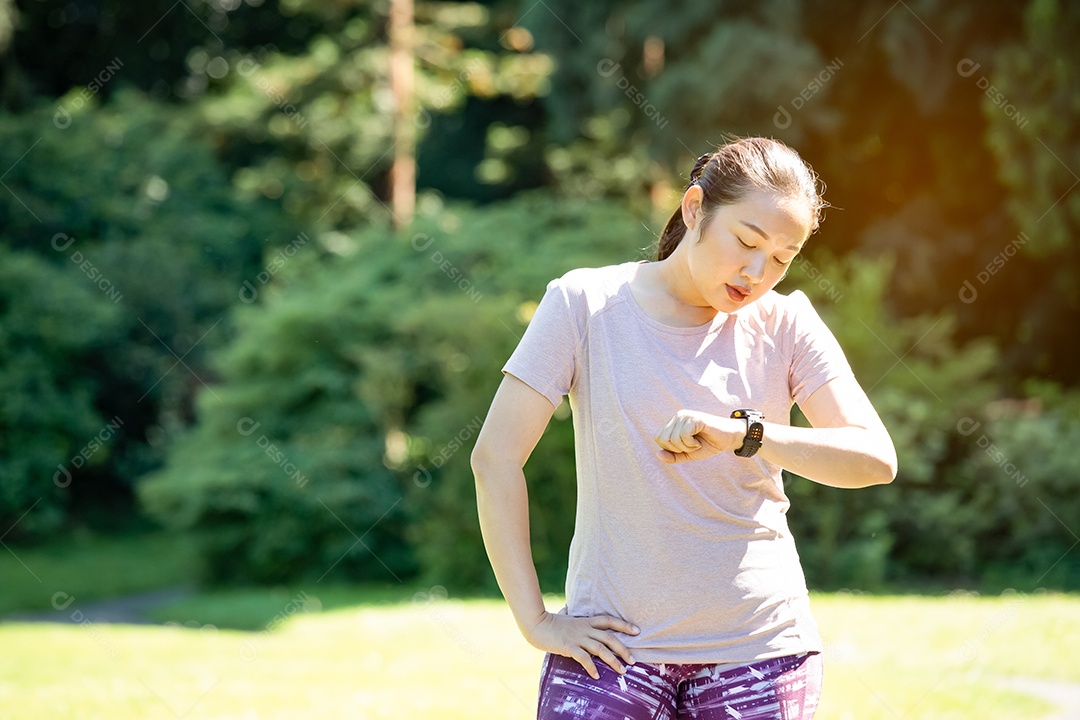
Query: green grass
(89, 567)
(254, 609)
(349, 652)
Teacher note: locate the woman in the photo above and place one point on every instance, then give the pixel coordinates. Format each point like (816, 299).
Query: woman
(684, 579)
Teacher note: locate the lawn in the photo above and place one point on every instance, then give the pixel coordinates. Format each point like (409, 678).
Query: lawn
(394, 653)
(88, 567)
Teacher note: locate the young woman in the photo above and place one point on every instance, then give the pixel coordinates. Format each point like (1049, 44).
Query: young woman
(684, 580)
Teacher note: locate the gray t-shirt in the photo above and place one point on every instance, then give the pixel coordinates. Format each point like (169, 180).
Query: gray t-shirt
(697, 554)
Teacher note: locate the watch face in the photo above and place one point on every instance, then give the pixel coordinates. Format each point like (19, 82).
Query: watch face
(756, 431)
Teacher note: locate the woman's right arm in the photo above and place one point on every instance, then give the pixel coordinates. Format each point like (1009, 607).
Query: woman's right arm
(514, 424)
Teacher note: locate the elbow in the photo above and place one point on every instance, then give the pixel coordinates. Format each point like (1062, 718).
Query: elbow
(885, 476)
(478, 461)
(886, 469)
(484, 462)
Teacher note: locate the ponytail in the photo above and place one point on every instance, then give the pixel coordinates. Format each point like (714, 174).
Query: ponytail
(676, 228)
(672, 235)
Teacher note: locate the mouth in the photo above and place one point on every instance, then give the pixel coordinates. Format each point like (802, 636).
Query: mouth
(737, 293)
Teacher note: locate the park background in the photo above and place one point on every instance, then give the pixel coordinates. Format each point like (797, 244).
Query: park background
(261, 263)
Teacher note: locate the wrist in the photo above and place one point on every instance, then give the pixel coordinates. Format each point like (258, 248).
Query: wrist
(754, 433)
(534, 633)
(529, 624)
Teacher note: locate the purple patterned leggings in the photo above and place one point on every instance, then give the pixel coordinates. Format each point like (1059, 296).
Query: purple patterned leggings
(785, 688)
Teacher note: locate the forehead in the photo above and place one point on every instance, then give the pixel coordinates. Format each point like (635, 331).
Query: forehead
(770, 216)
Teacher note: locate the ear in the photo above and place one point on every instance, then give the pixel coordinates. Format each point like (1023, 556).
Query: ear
(691, 206)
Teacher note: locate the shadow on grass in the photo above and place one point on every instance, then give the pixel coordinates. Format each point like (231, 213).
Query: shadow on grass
(256, 608)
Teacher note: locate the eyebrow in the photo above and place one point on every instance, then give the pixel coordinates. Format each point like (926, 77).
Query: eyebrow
(761, 232)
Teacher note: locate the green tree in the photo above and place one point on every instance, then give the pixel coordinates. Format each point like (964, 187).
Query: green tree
(153, 228)
(921, 381)
(1029, 100)
(370, 374)
(52, 323)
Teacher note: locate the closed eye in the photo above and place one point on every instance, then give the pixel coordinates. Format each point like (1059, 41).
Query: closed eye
(778, 261)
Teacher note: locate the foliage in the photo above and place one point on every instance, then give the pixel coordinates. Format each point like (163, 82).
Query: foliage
(1019, 470)
(1029, 96)
(51, 321)
(366, 369)
(920, 383)
(193, 160)
(149, 234)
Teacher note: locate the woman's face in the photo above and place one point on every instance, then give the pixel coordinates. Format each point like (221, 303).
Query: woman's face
(745, 249)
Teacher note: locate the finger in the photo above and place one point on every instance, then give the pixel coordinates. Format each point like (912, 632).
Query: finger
(618, 648)
(585, 660)
(623, 626)
(668, 445)
(672, 442)
(663, 436)
(687, 430)
(603, 652)
(668, 457)
(688, 442)
(610, 622)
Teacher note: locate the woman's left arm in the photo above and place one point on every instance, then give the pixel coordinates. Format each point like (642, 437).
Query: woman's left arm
(847, 447)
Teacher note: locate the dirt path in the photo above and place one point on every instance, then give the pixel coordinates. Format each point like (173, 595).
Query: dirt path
(130, 609)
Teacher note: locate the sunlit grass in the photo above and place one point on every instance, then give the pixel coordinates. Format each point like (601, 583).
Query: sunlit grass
(888, 657)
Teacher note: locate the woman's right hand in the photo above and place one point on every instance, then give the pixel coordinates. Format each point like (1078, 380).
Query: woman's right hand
(581, 638)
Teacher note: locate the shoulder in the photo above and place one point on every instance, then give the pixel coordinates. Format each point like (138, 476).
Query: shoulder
(774, 307)
(593, 288)
(777, 314)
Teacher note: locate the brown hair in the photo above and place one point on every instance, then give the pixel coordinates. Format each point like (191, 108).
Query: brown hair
(740, 166)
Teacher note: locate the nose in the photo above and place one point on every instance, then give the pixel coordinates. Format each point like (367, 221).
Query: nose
(754, 269)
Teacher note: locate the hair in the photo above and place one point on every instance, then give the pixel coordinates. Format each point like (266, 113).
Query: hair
(737, 168)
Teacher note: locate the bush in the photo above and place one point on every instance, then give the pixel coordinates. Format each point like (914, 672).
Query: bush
(920, 383)
(1019, 461)
(370, 375)
(131, 217)
(51, 320)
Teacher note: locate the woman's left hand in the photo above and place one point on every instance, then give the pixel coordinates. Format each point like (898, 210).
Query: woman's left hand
(691, 435)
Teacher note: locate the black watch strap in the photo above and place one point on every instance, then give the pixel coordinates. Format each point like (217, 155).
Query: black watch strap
(755, 431)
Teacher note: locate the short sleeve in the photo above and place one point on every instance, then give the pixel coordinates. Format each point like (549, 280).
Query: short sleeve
(545, 357)
(816, 355)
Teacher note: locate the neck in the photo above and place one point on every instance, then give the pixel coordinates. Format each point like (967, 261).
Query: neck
(674, 279)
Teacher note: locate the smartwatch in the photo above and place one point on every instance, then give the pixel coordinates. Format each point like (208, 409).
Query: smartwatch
(755, 431)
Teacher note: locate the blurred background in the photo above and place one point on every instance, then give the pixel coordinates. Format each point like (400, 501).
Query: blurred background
(261, 263)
